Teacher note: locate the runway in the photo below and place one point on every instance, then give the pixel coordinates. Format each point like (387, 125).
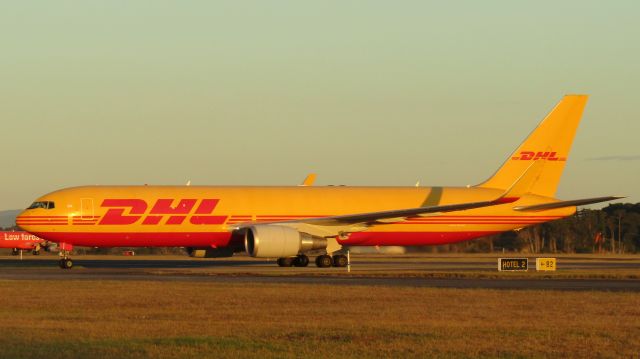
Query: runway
(575, 273)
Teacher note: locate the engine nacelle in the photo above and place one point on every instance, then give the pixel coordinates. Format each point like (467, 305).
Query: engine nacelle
(273, 241)
(210, 252)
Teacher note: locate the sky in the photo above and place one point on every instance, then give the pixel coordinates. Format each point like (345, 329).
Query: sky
(265, 92)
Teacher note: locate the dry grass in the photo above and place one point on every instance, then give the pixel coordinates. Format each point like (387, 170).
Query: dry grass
(611, 274)
(127, 319)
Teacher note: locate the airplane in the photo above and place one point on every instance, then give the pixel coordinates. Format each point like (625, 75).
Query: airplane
(21, 241)
(292, 222)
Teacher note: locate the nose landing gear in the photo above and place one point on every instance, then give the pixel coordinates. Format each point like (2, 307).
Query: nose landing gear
(65, 262)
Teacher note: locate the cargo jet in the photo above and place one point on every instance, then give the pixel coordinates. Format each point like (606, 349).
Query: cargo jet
(289, 223)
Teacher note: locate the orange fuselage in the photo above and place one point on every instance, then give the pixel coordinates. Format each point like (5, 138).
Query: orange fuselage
(205, 216)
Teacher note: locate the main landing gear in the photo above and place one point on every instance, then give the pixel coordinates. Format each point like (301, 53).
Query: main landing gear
(326, 261)
(340, 260)
(322, 261)
(299, 261)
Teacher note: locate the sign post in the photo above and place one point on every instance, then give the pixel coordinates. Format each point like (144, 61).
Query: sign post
(546, 264)
(513, 264)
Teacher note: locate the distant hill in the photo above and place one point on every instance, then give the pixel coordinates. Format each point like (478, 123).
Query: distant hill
(8, 218)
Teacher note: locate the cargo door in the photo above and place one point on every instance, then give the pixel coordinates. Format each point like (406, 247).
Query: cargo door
(86, 208)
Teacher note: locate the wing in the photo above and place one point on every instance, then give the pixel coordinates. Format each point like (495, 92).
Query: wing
(398, 214)
(333, 225)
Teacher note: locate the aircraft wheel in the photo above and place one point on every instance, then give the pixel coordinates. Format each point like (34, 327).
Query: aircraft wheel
(285, 261)
(66, 263)
(301, 261)
(35, 253)
(15, 252)
(340, 260)
(324, 261)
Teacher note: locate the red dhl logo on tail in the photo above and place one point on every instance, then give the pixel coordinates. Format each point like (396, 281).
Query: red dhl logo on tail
(534, 156)
(136, 209)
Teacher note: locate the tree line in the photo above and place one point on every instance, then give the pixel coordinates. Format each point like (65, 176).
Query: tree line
(613, 229)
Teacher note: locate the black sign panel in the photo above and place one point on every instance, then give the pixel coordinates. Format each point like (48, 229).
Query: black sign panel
(513, 264)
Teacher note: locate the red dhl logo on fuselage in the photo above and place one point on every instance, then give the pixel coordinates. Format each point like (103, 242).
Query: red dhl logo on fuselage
(137, 209)
(534, 156)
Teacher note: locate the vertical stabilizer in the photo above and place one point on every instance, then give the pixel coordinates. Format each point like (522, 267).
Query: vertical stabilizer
(550, 142)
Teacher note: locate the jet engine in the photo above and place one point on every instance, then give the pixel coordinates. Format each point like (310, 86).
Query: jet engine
(273, 241)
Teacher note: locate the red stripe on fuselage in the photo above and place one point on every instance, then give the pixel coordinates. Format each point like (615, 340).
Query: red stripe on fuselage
(139, 239)
(455, 217)
(292, 216)
(41, 224)
(41, 220)
(221, 239)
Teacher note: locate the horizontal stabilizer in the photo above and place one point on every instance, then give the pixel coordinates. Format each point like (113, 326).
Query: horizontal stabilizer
(562, 204)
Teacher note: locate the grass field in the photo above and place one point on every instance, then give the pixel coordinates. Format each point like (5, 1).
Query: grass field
(128, 319)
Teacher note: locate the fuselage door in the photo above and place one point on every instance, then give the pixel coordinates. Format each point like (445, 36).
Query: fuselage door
(86, 208)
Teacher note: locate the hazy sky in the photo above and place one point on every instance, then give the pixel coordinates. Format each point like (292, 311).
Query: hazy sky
(263, 92)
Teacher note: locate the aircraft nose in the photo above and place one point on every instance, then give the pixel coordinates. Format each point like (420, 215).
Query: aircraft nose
(21, 220)
(40, 212)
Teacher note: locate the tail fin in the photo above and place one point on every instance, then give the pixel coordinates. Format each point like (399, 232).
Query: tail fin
(550, 141)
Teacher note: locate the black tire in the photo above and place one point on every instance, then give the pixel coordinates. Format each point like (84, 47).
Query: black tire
(286, 261)
(340, 260)
(66, 263)
(61, 263)
(35, 253)
(324, 261)
(15, 252)
(301, 261)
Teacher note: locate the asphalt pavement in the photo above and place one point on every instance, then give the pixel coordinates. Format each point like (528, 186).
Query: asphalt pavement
(410, 271)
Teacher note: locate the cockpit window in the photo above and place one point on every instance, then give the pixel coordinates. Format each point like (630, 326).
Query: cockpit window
(43, 204)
